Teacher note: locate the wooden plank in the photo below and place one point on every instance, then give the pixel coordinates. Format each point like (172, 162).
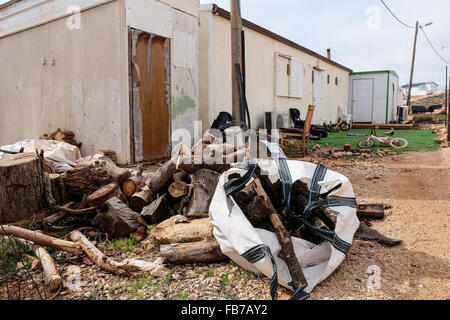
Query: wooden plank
(155, 117)
(382, 126)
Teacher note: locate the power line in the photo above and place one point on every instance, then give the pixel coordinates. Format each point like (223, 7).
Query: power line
(406, 25)
(428, 39)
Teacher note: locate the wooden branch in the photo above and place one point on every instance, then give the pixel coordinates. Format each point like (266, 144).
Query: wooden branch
(105, 263)
(51, 275)
(75, 211)
(39, 238)
(193, 252)
(52, 219)
(284, 237)
(367, 233)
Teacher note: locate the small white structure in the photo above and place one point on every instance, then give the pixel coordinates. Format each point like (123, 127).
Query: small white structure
(421, 89)
(374, 96)
(120, 74)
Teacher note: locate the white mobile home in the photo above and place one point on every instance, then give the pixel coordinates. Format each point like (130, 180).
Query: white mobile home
(280, 74)
(120, 74)
(421, 89)
(374, 96)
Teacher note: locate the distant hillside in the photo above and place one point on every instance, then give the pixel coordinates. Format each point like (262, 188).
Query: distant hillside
(429, 100)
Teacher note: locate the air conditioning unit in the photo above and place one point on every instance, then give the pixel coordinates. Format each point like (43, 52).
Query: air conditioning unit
(403, 114)
(277, 120)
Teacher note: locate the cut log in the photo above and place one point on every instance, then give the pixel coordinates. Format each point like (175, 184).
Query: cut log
(22, 187)
(178, 189)
(110, 154)
(157, 180)
(194, 252)
(140, 199)
(133, 184)
(118, 220)
(204, 185)
(39, 238)
(91, 174)
(370, 211)
(246, 194)
(284, 238)
(157, 211)
(256, 210)
(99, 197)
(169, 231)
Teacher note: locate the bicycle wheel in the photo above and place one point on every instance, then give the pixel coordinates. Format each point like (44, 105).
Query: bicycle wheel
(366, 143)
(399, 143)
(344, 126)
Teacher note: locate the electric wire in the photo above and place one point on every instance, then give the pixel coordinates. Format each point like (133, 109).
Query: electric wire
(392, 13)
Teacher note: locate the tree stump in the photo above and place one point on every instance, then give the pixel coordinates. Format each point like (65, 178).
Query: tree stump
(22, 191)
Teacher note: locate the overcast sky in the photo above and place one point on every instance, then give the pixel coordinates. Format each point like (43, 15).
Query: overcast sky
(361, 33)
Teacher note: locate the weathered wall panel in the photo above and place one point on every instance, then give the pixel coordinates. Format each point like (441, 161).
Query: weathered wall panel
(28, 13)
(54, 77)
(150, 16)
(184, 71)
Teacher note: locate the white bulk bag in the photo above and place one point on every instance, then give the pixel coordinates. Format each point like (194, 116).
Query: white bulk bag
(236, 235)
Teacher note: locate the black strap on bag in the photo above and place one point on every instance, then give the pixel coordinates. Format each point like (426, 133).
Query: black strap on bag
(259, 252)
(316, 200)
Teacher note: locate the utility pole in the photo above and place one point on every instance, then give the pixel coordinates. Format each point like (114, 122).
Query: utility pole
(412, 66)
(446, 95)
(236, 55)
(448, 115)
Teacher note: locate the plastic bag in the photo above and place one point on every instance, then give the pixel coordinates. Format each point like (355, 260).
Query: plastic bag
(236, 235)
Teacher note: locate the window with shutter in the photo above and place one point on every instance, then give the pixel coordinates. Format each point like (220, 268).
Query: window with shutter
(296, 79)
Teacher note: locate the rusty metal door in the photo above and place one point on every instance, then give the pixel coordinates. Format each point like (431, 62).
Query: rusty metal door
(150, 96)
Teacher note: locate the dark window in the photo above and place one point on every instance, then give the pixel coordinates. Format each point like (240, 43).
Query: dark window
(337, 81)
(328, 79)
(313, 76)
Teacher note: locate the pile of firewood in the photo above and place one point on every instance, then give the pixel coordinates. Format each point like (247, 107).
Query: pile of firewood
(99, 195)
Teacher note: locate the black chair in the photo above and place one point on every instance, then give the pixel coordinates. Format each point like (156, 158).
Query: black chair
(316, 131)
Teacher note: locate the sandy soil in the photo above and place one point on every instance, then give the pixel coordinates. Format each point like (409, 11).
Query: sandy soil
(416, 185)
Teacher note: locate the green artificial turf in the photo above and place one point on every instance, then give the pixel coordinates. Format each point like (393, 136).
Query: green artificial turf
(418, 140)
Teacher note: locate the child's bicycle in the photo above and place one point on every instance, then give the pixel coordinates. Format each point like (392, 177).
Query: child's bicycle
(340, 126)
(397, 143)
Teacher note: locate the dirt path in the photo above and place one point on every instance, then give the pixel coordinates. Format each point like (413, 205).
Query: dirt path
(417, 186)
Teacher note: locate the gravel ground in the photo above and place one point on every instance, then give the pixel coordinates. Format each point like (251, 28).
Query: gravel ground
(415, 185)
